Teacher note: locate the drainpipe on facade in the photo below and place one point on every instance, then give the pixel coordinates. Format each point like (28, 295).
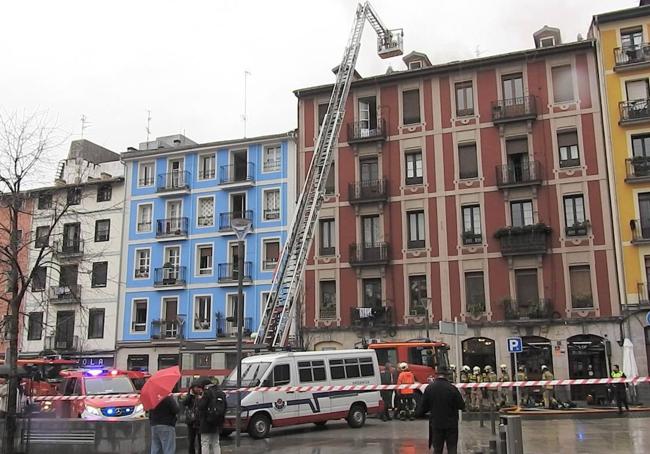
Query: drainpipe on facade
(120, 281)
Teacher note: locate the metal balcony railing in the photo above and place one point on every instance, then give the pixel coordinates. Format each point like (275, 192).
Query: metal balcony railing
(169, 276)
(514, 109)
(167, 329)
(173, 181)
(225, 219)
(229, 272)
(171, 227)
(61, 342)
(369, 254)
(634, 111)
(578, 229)
(237, 173)
(632, 55)
(470, 238)
(640, 230)
(368, 191)
(360, 131)
(65, 293)
(524, 174)
(526, 240)
(226, 328)
(642, 291)
(637, 169)
(326, 251)
(531, 310)
(69, 248)
(371, 317)
(271, 214)
(327, 312)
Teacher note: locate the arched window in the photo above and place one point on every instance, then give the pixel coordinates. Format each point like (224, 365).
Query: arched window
(587, 359)
(537, 353)
(479, 351)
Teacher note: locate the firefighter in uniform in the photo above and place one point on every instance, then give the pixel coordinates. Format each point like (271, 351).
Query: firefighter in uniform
(491, 393)
(521, 376)
(406, 396)
(504, 376)
(548, 389)
(452, 368)
(477, 393)
(464, 378)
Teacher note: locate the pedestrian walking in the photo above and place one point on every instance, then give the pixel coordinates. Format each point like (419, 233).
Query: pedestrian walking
(407, 399)
(620, 391)
(388, 377)
(442, 401)
(548, 389)
(191, 404)
(212, 413)
(163, 426)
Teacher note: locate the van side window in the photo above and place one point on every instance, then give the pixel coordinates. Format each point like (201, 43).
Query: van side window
(70, 384)
(310, 371)
(281, 375)
(385, 355)
(351, 368)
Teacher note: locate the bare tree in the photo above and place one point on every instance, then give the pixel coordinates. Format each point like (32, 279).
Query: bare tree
(26, 145)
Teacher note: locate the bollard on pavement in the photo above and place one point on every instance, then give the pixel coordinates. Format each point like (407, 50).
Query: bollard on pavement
(510, 435)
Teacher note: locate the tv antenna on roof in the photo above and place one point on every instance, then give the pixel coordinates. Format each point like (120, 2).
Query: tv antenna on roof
(244, 116)
(84, 124)
(148, 129)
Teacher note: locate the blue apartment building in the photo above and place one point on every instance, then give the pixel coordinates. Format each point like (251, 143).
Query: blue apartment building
(180, 264)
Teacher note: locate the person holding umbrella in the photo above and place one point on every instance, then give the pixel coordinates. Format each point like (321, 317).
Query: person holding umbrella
(163, 408)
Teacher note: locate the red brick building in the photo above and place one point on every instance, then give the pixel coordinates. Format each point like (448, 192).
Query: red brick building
(473, 189)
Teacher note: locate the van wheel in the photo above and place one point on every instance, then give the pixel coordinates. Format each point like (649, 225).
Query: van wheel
(259, 426)
(357, 416)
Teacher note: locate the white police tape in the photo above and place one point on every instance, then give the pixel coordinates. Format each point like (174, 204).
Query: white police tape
(368, 388)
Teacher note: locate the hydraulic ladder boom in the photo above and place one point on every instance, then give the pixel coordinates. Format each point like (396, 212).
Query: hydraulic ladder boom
(275, 324)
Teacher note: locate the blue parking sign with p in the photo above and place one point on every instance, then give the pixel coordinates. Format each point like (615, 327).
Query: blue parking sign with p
(515, 345)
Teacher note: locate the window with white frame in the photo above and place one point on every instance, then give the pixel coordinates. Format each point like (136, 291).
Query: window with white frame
(142, 263)
(206, 166)
(271, 253)
(271, 159)
(139, 320)
(271, 204)
(145, 174)
(202, 311)
(205, 212)
(145, 212)
(204, 259)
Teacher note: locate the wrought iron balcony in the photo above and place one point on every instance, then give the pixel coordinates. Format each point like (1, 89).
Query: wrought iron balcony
(327, 313)
(237, 173)
(637, 169)
(67, 249)
(169, 276)
(642, 291)
(516, 175)
(360, 132)
(61, 343)
(225, 219)
(62, 294)
(371, 317)
(174, 181)
(226, 328)
(636, 111)
(229, 272)
(578, 229)
(171, 227)
(631, 56)
(640, 230)
(470, 238)
(532, 310)
(526, 240)
(167, 329)
(326, 251)
(368, 191)
(514, 109)
(369, 254)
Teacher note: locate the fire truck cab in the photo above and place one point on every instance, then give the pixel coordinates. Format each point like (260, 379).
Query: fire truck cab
(423, 356)
(99, 382)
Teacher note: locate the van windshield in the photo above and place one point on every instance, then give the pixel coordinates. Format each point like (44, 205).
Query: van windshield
(251, 375)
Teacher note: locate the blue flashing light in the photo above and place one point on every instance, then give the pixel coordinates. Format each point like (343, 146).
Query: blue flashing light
(110, 411)
(94, 372)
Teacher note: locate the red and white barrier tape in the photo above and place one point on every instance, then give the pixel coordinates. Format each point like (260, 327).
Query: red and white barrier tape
(348, 388)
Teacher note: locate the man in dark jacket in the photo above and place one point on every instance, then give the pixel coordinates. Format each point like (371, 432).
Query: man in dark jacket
(163, 426)
(191, 404)
(388, 377)
(210, 427)
(443, 401)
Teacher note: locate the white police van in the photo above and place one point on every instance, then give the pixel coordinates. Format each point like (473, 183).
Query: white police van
(262, 410)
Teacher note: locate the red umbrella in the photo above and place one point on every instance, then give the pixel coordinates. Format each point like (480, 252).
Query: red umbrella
(159, 386)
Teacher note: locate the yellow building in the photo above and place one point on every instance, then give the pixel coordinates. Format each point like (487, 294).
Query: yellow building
(623, 46)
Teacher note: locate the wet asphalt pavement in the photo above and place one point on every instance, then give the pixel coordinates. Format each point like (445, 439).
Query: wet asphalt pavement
(587, 436)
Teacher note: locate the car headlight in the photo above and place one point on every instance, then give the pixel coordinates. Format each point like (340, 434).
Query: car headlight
(93, 410)
(139, 408)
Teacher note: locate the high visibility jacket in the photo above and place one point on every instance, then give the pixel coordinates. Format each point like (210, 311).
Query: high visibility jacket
(618, 374)
(476, 378)
(504, 377)
(492, 377)
(406, 378)
(547, 375)
(521, 376)
(464, 377)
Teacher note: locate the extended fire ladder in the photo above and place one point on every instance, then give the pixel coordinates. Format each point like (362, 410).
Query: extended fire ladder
(280, 306)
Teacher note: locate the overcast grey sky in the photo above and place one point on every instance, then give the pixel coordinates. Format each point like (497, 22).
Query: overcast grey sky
(185, 61)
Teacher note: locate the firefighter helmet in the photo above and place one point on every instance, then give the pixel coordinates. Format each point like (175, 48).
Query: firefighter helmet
(403, 366)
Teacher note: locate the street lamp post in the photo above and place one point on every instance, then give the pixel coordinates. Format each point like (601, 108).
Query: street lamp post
(242, 227)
